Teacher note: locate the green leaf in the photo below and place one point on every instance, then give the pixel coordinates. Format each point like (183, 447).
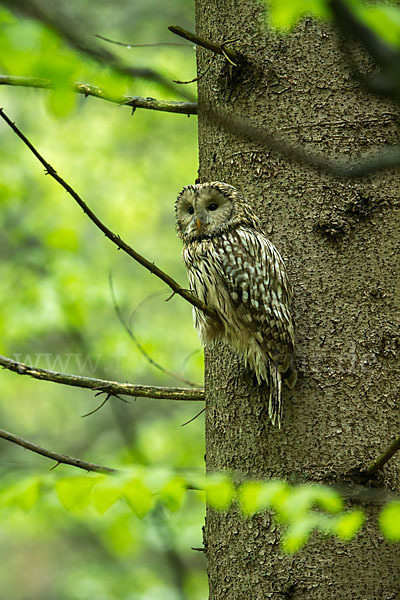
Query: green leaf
(119, 534)
(285, 15)
(297, 535)
(6, 17)
(384, 20)
(349, 524)
(219, 491)
(328, 500)
(249, 497)
(138, 496)
(299, 502)
(23, 494)
(255, 496)
(61, 102)
(173, 493)
(106, 493)
(304, 497)
(74, 493)
(389, 521)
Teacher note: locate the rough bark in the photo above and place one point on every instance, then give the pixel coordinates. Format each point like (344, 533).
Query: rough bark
(339, 240)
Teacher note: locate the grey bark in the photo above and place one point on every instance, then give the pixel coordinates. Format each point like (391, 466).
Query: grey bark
(340, 242)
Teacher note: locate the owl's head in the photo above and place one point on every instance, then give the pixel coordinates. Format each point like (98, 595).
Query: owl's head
(209, 209)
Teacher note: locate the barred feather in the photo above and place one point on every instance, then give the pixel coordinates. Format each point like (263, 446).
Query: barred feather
(236, 270)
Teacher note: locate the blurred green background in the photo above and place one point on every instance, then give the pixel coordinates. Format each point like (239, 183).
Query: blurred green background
(57, 310)
(66, 535)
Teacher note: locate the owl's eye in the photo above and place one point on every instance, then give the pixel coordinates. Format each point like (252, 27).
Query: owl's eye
(212, 206)
(191, 210)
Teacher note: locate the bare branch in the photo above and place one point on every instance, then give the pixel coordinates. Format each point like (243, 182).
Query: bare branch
(102, 385)
(377, 464)
(129, 46)
(193, 418)
(59, 458)
(184, 108)
(203, 74)
(150, 266)
(69, 30)
(232, 56)
(99, 407)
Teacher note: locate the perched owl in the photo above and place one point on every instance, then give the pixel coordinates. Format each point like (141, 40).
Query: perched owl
(235, 270)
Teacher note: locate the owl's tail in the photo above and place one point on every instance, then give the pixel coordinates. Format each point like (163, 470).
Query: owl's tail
(275, 396)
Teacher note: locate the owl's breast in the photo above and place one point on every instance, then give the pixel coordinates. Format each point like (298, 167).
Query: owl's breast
(205, 282)
(200, 261)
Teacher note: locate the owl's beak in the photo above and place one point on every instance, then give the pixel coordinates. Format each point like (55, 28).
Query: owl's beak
(198, 223)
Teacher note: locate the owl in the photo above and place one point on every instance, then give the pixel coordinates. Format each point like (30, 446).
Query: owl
(236, 271)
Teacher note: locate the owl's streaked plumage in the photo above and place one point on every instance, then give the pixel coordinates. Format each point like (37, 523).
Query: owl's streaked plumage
(234, 269)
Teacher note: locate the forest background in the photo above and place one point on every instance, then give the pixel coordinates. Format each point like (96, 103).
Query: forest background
(57, 308)
(64, 292)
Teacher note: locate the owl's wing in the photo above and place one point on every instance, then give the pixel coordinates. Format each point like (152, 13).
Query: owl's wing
(254, 273)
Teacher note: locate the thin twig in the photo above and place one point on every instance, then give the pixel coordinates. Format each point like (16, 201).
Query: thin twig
(116, 239)
(193, 418)
(59, 458)
(135, 310)
(100, 406)
(228, 53)
(195, 78)
(138, 345)
(128, 46)
(102, 385)
(189, 356)
(184, 108)
(225, 51)
(377, 464)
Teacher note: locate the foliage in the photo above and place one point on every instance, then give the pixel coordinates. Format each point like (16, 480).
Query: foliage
(57, 312)
(300, 509)
(389, 521)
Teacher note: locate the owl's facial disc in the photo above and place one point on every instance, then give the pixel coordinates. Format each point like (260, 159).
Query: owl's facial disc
(202, 211)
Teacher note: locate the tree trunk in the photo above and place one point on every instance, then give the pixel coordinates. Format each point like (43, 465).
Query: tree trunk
(339, 239)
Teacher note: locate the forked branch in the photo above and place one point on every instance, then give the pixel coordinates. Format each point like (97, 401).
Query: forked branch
(101, 385)
(377, 464)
